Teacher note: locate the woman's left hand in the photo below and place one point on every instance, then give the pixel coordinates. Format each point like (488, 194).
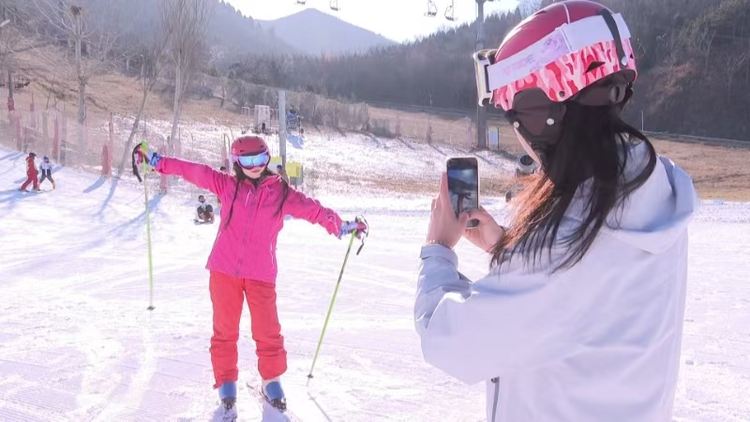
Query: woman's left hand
(445, 228)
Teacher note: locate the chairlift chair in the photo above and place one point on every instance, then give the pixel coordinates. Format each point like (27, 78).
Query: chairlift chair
(450, 12)
(431, 8)
(335, 5)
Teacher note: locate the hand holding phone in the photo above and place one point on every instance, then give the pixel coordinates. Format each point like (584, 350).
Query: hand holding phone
(487, 234)
(463, 185)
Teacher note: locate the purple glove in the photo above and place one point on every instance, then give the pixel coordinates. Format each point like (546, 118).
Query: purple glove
(358, 226)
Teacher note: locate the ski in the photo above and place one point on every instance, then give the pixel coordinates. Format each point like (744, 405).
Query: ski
(222, 415)
(298, 398)
(270, 413)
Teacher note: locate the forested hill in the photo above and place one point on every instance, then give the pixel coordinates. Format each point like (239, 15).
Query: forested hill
(693, 58)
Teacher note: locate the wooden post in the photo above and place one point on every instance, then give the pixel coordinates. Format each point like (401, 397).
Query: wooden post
(106, 161)
(111, 140)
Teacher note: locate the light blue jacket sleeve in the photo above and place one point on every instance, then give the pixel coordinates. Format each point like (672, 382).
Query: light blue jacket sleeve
(475, 331)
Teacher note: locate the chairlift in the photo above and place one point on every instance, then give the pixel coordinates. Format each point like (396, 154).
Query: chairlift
(431, 8)
(450, 12)
(335, 5)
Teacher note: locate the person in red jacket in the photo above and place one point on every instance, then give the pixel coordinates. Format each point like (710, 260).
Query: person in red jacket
(243, 259)
(32, 174)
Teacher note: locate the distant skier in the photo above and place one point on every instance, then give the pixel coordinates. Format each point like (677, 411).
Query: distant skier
(205, 211)
(581, 315)
(243, 259)
(46, 169)
(31, 174)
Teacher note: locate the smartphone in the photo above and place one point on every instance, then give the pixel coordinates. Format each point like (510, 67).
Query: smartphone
(463, 185)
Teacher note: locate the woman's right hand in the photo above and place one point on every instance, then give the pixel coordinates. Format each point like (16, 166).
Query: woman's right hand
(487, 234)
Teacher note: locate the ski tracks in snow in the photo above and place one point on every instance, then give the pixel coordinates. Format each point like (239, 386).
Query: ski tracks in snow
(77, 343)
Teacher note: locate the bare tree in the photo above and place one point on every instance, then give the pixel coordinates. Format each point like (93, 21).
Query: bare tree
(91, 44)
(12, 40)
(9, 43)
(186, 21)
(734, 64)
(699, 40)
(153, 59)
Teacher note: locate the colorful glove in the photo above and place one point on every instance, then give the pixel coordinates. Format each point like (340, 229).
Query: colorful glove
(358, 226)
(152, 158)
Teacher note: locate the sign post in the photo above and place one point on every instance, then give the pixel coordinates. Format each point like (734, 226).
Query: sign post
(282, 127)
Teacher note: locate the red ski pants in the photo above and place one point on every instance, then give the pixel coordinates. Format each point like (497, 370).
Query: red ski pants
(31, 178)
(227, 294)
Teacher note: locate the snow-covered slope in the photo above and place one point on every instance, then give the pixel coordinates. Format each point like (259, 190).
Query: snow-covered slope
(77, 343)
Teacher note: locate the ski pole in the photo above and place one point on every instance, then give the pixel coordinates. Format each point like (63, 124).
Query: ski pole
(330, 308)
(148, 240)
(148, 227)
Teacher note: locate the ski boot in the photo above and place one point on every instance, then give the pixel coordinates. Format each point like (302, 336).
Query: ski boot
(228, 396)
(274, 394)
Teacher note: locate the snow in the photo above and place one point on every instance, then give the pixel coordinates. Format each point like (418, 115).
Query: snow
(77, 343)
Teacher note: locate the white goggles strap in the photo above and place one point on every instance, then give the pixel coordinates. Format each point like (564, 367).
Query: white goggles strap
(564, 40)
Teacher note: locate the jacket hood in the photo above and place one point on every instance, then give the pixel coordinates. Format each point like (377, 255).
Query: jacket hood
(656, 214)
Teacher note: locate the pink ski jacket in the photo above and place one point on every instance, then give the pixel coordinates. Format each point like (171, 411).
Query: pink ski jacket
(247, 247)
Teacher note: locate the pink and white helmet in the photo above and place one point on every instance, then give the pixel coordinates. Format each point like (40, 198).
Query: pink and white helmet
(560, 50)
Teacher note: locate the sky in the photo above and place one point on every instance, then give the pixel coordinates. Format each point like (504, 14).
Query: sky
(398, 20)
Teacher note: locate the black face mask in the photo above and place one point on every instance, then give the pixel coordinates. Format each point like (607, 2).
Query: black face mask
(540, 120)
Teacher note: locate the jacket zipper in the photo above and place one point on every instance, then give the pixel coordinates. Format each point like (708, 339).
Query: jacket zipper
(254, 205)
(244, 239)
(256, 209)
(495, 381)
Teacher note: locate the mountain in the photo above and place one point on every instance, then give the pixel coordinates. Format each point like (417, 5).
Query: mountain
(315, 32)
(231, 34)
(229, 28)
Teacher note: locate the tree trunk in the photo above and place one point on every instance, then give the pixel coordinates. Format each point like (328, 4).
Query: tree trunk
(10, 84)
(177, 98)
(81, 87)
(129, 144)
(81, 102)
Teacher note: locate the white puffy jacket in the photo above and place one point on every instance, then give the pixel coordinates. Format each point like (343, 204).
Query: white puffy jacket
(597, 342)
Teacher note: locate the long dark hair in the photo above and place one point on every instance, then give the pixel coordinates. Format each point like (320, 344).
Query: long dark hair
(593, 145)
(240, 177)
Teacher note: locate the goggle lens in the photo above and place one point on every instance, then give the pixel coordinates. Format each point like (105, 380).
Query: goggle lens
(252, 161)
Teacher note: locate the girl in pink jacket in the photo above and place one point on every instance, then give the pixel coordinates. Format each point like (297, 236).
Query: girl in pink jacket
(243, 259)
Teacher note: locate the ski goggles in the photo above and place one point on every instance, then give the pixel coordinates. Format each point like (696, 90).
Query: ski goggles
(252, 161)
